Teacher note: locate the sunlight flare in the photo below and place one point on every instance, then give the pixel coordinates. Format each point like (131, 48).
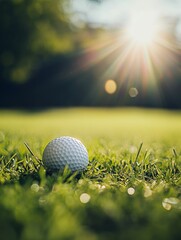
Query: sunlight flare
(142, 28)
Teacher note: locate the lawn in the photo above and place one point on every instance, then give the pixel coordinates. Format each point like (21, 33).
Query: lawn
(130, 190)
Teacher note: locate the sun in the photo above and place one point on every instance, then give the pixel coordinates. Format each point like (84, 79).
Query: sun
(142, 29)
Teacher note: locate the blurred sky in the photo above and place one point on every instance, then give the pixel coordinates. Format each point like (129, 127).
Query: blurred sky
(113, 12)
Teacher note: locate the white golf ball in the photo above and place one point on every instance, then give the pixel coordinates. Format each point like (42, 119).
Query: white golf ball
(65, 151)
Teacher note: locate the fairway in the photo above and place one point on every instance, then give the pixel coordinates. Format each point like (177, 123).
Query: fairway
(131, 188)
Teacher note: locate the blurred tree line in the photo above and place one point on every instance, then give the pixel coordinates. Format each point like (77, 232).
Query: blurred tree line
(31, 31)
(46, 61)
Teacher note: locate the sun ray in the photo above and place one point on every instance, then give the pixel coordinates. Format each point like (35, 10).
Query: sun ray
(117, 64)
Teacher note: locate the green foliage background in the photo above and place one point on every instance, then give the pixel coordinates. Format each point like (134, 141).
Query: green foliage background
(31, 31)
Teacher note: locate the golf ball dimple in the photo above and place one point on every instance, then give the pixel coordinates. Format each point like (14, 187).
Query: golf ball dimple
(65, 151)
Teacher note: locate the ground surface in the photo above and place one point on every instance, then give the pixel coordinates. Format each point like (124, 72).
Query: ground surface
(130, 190)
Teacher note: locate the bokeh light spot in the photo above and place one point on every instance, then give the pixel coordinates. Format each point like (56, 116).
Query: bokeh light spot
(35, 187)
(131, 191)
(110, 86)
(166, 205)
(42, 201)
(133, 92)
(85, 198)
(171, 202)
(133, 149)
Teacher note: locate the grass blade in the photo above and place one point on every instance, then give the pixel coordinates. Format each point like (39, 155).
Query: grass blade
(31, 152)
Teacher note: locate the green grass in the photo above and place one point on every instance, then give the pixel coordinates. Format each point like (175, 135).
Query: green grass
(131, 186)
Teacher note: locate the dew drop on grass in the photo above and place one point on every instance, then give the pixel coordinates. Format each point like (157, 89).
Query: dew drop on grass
(85, 198)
